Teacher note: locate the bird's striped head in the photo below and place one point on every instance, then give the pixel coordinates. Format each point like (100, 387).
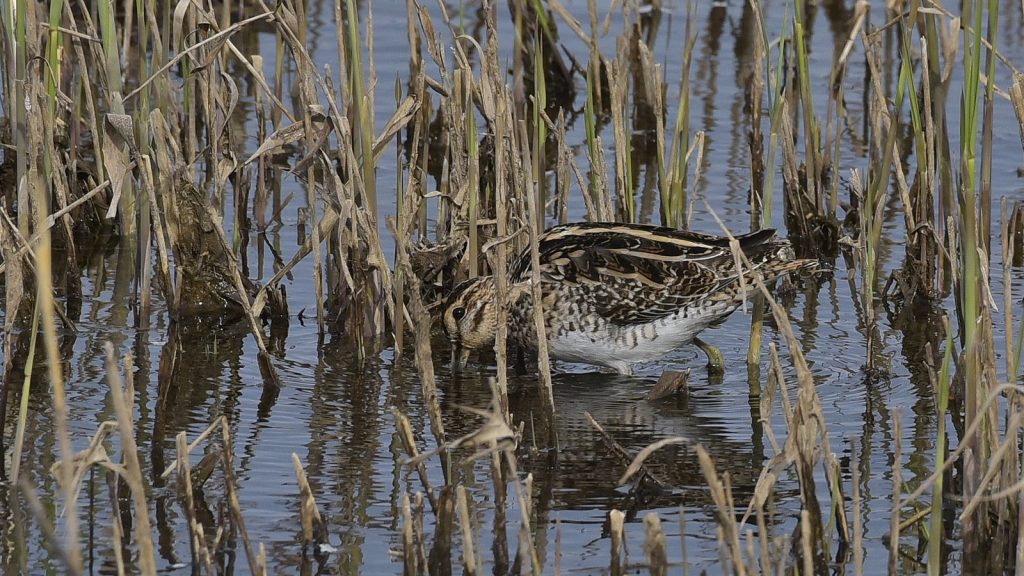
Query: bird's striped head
(470, 317)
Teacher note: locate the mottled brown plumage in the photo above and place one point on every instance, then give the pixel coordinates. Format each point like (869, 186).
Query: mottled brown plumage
(617, 294)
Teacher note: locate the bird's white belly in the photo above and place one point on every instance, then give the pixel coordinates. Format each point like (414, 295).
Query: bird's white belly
(620, 346)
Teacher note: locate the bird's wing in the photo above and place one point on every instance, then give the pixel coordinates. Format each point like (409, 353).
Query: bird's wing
(632, 273)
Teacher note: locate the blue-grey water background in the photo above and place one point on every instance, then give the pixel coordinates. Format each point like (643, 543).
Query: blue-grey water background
(334, 409)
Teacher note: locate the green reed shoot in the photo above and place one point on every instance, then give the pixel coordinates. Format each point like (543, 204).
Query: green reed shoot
(942, 404)
(969, 264)
(907, 82)
(362, 129)
(811, 132)
(776, 97)
(53, 55)
(540, 99)
(673, 197)
(986, 141)
(112, 64)
(875, 195)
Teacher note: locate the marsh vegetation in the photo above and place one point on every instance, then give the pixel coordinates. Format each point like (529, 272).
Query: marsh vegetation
(226, 227)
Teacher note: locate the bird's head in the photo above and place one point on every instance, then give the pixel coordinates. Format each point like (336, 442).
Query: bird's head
(470, 317)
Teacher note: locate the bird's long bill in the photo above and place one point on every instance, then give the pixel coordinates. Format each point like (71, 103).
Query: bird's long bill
(460, 356)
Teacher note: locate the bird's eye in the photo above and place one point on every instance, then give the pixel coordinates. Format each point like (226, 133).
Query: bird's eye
(458, 313)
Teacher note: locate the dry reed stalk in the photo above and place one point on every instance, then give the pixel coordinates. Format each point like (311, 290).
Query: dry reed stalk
(725, 514)
(544, 364)
(765, 563)
(14, 293)
(270, 377)
(638, 463)
(313, 528)
(466, 528)
(526, 545)
(421, 338)
(418, 517)
(32, 183)
(200, 553)
(807, 544)
(1007, 250)
(623, 455)
(404, 430)
(502, 133)
(231, 493)
(618, 84)
(61, 553)
(654, 545)
(440, 559)
(615, 521)
(117, 528)
(994, 467)
(410, 562)
(500, 547)
(123, 400)
(308, 101)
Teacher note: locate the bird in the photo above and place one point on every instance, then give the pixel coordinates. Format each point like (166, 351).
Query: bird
(615, 294)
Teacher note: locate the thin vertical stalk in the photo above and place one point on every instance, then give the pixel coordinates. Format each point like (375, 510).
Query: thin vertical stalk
(362, 128)
(40, 190)
(539, 127)
(53, 50)
(975, 391)
(942, 402)
(472, 148)
(807, 104)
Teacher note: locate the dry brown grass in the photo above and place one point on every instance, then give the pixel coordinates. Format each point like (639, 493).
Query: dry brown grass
(100, 148)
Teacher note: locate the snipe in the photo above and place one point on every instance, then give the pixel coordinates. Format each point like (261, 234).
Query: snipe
(617, 294)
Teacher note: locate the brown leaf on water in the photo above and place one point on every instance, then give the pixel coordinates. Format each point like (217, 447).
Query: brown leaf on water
(671, 383)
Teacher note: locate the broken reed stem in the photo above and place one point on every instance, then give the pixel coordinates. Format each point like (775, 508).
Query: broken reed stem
(654, 545)
(615, 520)
(410, 564)
(313, 529)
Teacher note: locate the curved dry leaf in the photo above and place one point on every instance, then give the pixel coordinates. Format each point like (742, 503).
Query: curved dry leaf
(117, 131)
(638, 462)
(178, 22)
(232, 101)
(281, 138)
(405, 112)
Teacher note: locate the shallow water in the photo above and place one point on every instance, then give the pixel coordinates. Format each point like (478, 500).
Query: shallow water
(335, 410)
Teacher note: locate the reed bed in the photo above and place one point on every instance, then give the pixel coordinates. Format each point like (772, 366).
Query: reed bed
(99, 139)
